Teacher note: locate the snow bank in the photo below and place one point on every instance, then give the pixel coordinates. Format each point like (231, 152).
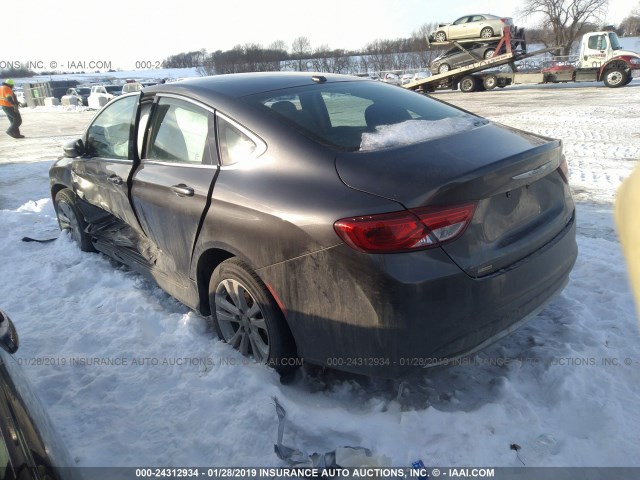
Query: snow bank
(414, 131)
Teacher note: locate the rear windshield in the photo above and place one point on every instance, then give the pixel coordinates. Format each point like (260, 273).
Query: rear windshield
(364, 115)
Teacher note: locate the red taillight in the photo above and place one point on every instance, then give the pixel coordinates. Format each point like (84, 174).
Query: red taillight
(407, 230)
(564, 170)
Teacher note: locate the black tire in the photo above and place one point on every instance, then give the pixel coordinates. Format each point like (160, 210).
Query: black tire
(444, 68)
(440, 37)
(70, 218)
(246, 316)
(486, 32)
(489, 53)
(615, 77)
(628, 80)
(468, 84)
(490, 82)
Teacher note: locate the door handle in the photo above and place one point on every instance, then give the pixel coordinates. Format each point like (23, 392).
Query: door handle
(115, 179)
(182, 190)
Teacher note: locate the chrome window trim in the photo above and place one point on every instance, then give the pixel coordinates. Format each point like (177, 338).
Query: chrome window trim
(261, 146)
(197, 103)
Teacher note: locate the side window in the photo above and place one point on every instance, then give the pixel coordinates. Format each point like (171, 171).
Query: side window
(460, 21)
(109, 134)
(477, 18)
(236, 144)
(180, 131)
(597, 42)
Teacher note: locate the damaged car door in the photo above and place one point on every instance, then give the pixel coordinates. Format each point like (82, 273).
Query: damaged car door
(171, 186)
(145, 183)
(102, 176)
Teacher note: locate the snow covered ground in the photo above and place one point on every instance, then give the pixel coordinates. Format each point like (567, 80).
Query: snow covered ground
(131, 377)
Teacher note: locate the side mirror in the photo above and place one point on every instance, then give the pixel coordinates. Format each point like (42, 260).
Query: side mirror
(8, 334)
(74, 149)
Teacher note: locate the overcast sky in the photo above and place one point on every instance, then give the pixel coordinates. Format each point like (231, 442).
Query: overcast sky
(122, 33)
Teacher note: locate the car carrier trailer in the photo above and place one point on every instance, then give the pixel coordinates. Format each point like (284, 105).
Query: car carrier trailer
(601, 59)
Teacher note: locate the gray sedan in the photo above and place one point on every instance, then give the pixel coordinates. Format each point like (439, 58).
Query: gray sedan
(456, 57)
(323, 218)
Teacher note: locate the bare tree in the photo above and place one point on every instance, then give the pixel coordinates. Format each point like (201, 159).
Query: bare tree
(186, 60)
(631, 24)
(566, 18)
(278, 45)
(332, 61)
(208, 66)
(301, 51)
(424, 52)
(380, 55)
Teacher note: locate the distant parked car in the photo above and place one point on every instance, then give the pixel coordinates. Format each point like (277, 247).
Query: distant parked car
(412, 77)
(131, 87)
(71, 98)
(348, 222)
(114, 90)
(421, 75)
(559, 72)
(456, 58)
(391, 78)
(84, 93)
(99, 96)
(406, 78)
(472, 26)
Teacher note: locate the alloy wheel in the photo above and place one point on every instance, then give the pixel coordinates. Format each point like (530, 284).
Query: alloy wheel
(68, 221)
(241, 320)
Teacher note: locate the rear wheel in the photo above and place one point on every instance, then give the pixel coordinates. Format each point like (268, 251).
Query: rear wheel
(70, 218)
(486, 32)
(490, 82)
(444, 68)
(246, 316)
(489, 53)
(468, 84)
(440, 37)
(614, 78)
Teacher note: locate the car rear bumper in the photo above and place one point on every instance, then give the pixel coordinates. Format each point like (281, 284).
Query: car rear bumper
(389, 315)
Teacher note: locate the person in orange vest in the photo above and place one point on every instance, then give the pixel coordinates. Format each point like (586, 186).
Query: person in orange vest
(9, 104)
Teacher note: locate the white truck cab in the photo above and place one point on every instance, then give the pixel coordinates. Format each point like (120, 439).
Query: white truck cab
(597, 48)
(602, 51)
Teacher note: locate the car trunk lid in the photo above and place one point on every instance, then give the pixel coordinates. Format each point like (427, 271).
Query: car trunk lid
(522, 200)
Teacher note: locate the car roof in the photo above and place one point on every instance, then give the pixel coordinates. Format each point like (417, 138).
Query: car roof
(242, 84)
(478, 14)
